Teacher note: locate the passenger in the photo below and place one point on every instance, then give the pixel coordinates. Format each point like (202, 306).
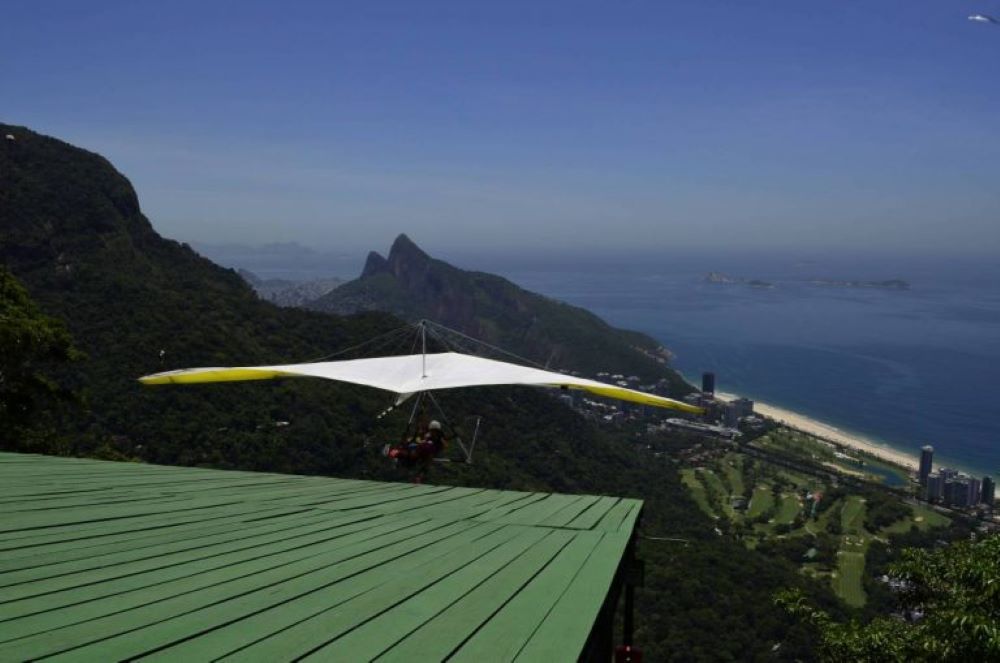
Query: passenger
(423, 447)
(435, 435)
(414, 449)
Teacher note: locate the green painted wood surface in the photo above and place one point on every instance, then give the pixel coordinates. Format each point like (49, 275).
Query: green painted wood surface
(113, 561)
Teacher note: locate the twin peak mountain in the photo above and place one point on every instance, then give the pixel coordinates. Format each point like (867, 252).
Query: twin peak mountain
(412, 285)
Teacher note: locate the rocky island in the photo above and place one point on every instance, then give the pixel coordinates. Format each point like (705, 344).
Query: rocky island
(725, 279)
(887, 284)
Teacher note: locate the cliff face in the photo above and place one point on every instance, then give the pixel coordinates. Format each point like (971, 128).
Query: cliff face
(413, 285)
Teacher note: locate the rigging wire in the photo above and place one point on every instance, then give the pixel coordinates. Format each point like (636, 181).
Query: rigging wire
(370, 341)
(433, 325)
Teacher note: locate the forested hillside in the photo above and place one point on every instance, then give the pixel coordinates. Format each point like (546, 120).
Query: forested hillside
(72, 232)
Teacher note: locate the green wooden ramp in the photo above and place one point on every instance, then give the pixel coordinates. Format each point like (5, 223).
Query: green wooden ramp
(105, 561)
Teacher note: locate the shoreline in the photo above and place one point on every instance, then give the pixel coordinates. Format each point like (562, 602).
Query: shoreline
(830, 433)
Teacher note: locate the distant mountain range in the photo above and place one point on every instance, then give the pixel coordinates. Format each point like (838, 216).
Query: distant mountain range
(412, 285)
(289, 293)
(288, 261)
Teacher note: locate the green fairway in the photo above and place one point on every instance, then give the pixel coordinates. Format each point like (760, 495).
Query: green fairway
(788, 509)
(847, 583)
(717, 493)
(796, 479)
(760, 502)
(713, 488)
(829, 511)
(923, 518)
(732, 467)
(697, 491)
(853, 517)
(715, 484)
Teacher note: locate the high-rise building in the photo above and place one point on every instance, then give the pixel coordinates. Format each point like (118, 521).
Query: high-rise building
(988, 494)
(731, 416)
(935, 487)
(744, 406)
(926, 460)
(708, 383)
(956, 492)
(975, 486)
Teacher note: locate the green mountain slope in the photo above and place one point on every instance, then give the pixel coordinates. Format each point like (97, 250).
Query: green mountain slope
(135, 302)
(413, 285)
(71, 230)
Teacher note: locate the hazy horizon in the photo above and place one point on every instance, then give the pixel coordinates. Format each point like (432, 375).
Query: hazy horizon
(295, 261)
(582, 126)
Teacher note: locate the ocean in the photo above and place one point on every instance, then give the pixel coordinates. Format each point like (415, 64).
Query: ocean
(901, 367)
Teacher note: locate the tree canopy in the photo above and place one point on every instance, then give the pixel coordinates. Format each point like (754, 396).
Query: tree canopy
(30, 344)
(948, 609)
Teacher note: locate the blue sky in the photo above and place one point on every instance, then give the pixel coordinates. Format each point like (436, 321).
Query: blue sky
(538, 124)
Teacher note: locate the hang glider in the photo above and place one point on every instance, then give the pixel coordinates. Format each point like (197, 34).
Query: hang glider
(406, 375)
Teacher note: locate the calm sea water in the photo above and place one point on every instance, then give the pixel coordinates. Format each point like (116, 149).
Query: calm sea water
(905, 368)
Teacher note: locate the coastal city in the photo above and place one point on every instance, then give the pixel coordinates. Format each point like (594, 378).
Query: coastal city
(728, 417)
(952, 488)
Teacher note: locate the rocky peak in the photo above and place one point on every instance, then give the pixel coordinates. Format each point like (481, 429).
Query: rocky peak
(405, 252)
(405, 257)
(375, 264)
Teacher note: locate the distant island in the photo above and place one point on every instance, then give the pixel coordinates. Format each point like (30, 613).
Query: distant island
(721, 278)
(888, 284)
(725, 279)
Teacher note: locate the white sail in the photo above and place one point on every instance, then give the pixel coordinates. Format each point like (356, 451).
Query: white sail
(408, 374)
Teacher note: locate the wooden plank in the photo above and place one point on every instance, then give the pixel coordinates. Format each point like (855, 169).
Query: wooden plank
(85, 576)
(589, 518)
(219, 537)
(563, 517)
(536, 512)
(621, 514)
(400, 501)
(564, 631)
(84, 515)
(313, 633)
(178, 618)
(163, 583)
(506, 633)
(109, 628)
(110, 528)
(233, 636)
(111, 561)
(380, 633)
(502, 510)
(437, 638)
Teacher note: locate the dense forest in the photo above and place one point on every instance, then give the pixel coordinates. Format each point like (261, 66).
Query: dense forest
(131, 302)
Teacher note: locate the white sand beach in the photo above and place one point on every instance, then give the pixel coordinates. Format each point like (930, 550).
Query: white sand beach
(831, 433)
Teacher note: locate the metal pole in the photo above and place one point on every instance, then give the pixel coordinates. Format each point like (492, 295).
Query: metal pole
(629, 610)
(423, 345)
(630, 582)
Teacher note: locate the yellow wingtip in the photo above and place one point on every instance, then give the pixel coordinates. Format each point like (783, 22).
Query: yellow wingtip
(207, 375)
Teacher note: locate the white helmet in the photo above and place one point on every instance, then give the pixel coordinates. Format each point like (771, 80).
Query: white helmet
(434, 425)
